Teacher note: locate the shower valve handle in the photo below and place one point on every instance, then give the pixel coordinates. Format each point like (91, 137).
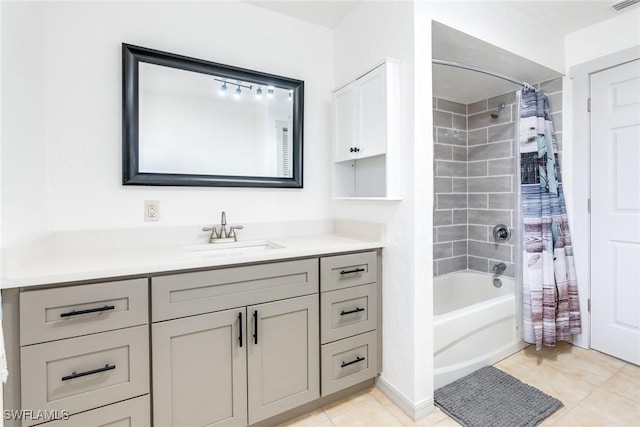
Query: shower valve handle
(501, 233)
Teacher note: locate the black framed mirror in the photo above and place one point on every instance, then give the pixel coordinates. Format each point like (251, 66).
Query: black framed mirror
(191, 122)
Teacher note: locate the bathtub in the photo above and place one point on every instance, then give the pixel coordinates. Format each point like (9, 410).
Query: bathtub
(475, 324)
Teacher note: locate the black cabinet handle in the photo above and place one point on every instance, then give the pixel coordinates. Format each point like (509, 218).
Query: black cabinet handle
(91, 310)
(351, 149)
(255, 327)
(240, 335)
(356, 360)
(75, 374)
(356, 149)
(355, 270)
(357, 310)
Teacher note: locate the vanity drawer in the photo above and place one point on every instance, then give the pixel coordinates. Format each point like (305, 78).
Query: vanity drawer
(57, 313)
(348, 362)
(187, 294)
(130, 413)
(343, 271)
(348, 312)
(83, 373)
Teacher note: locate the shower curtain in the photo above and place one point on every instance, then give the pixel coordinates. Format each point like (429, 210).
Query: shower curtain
(550, 292)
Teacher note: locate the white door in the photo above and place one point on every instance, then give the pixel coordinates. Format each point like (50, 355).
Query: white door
(615, 211)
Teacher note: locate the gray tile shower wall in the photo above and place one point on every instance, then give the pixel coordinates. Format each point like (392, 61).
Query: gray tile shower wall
(491, 181)
(478, 189)
(450, 215)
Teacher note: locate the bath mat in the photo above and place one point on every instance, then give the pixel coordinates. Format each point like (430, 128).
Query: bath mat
(489, 397)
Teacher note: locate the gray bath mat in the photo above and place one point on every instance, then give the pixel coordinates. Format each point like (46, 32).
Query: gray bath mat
(492, 398)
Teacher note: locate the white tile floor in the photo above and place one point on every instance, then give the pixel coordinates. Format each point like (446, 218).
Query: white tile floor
(596, 389)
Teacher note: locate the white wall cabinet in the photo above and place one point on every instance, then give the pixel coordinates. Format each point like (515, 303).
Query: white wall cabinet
(365, 120)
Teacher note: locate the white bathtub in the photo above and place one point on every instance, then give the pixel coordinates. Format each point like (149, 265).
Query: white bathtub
(474, 324)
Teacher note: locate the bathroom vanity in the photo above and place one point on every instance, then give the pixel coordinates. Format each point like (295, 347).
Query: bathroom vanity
(228, 339)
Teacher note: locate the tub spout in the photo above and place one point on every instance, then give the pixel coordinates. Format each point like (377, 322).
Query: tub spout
(499, 268)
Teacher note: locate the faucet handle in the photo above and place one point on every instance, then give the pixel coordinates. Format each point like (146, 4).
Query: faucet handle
(232, 231)
(213, 231)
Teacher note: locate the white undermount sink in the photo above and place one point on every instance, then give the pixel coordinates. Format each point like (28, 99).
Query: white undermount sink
(234, 248)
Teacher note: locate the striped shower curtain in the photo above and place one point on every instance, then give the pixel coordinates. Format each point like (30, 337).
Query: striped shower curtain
(550, 291)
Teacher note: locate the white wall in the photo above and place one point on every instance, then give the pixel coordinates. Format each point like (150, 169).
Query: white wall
(603, 38)
(372, 31)
(76, 79)
(23, 196)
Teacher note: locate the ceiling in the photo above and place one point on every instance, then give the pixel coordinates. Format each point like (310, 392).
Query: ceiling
(466, 86)
(325, 13)
(565, 16)
(559, 17)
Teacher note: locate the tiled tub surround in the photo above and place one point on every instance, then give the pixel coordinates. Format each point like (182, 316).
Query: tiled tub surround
(481, 190)
(450, 215)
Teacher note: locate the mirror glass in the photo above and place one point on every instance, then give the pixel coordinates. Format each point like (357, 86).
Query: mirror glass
(193, 122)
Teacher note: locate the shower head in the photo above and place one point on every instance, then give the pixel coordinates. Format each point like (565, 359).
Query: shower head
(495, 114)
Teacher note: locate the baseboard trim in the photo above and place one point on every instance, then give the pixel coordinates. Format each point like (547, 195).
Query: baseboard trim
(414, 411)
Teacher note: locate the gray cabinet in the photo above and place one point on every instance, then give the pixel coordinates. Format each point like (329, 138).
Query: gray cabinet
(130, 413)
(199, 370)
(230, 346)
(283, 356)
(349, 320)
(84, 347)
(255, 355)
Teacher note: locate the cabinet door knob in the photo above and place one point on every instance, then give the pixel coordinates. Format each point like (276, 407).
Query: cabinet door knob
(356, 149)
(351, 149)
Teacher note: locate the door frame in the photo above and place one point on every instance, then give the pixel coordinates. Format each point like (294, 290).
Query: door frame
(578, 173)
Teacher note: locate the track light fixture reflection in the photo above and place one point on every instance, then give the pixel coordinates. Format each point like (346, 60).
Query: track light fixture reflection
(237, 93)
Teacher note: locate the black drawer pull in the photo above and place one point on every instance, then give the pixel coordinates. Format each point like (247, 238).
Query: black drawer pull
(91, 310)
(356, 360)
(357, 310)
(240, 335)
(255, 327)
(74, 374)
(356, 270)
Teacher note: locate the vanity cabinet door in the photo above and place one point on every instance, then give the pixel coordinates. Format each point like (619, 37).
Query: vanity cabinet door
(199, 370)
(283, 356)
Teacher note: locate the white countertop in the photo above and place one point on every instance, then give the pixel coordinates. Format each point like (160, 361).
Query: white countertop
(75, 266)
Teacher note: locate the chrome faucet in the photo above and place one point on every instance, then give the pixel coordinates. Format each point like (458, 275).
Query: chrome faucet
(222, 236)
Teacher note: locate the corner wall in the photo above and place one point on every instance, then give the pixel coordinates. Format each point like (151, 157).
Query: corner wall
(371, 32)
(23, 167)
